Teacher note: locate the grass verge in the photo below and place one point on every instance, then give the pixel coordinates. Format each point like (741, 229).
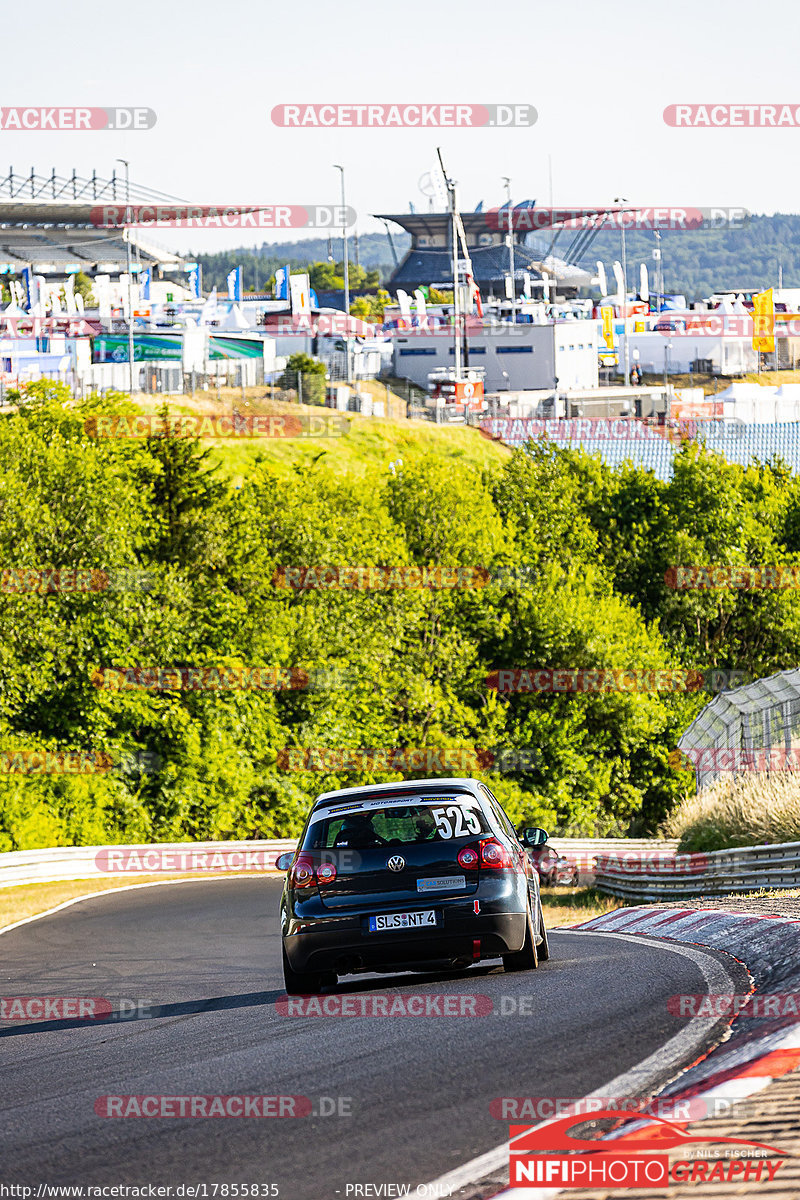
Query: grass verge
(29, 899)
(752, 809)
(561, 906)
(569, 906)
(366, 443)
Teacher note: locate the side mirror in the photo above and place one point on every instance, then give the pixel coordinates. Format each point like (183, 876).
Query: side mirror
(284, 861)
(533, 837)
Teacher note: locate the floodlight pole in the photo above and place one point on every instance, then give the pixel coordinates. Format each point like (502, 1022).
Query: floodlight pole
(623, 200)
(125, 163)
(507, 182)
(346, 279)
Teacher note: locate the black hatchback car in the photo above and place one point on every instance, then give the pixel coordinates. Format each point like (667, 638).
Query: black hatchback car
(406, 876)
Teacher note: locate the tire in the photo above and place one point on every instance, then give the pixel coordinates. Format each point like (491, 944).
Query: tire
(543, 949)
(525, 959)
(304, 983)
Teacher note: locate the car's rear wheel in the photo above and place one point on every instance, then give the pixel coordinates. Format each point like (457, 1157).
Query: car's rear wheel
(526, 958)
(304, 983)
(543, 949)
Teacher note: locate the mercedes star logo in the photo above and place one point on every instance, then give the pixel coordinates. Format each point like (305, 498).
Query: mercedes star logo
(396, 863)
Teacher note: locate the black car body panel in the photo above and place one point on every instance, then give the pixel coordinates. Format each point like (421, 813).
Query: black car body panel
(343, 858)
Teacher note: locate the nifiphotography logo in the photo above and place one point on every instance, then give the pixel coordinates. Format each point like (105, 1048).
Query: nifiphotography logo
(549, 1155)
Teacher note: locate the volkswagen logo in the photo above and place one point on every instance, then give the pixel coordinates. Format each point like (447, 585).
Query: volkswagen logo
(396, 863)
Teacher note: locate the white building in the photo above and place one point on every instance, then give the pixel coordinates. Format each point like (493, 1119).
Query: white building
(676, 351)
(522, 357)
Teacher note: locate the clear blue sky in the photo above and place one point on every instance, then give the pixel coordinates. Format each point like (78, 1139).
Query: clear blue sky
(599, 74)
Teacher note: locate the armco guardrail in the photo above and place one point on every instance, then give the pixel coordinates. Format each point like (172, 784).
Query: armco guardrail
(584, 852)
(63, 863)
(101, 862)
(661, 876)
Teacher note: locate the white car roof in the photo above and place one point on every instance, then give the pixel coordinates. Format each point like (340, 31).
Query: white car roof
(403, 785)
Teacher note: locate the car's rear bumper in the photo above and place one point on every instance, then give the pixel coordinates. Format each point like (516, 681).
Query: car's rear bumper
(341, 944)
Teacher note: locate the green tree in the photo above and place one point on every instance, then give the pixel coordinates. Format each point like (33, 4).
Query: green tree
(83, 287)
(371, 308)
(185, 494)
(326, 276)
(306, 376)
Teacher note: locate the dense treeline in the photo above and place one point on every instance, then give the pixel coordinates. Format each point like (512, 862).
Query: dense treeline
(259, 265)
(695, 263)
(699, 262)
(584, 548)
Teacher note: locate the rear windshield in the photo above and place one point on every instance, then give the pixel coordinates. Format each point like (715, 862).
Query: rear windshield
(397, 825)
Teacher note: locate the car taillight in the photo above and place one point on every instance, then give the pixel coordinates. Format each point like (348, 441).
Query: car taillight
(326, 873)
(494, 855)
(469, 859)
(303, 871)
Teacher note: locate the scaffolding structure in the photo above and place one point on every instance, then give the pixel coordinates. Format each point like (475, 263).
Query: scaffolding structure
(759, 723)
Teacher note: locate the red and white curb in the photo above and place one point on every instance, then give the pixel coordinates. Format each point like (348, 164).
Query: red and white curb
(753, 1054)
(769, 947)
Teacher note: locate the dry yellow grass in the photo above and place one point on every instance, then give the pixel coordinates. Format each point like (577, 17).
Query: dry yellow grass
(570, 906)
(740, 810)
(561, 906)
(30, 899)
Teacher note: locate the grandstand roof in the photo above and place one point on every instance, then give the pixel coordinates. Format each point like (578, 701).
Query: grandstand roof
(49, 223)
(425, 264)
(67, 199)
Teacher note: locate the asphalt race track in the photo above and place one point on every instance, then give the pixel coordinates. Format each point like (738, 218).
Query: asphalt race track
(202, 963)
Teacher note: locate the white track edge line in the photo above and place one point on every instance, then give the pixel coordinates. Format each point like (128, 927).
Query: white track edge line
(679, 1046)
(130, 887)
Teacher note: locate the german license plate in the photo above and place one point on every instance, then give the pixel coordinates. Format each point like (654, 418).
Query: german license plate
(412, 920)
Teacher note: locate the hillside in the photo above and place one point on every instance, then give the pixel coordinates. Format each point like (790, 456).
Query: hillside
(694, 263)
(367, 443)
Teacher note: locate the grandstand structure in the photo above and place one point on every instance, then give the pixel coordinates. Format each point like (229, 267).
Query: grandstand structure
(429, 259)
(46, 225)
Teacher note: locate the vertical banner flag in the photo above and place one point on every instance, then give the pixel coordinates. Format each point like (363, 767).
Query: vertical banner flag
(69, 296)
(234, 282)
(194, 282)
(102, 292)
(145, 281)
(621, 289)
(38, 287)
(209, 311)
(644, 283)
(607, 314)
(282, 283)
(419, 304)
(764, 322)
(404, 300)
(298, 293)
(31, 285)
(475, 292)
(601, 275)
